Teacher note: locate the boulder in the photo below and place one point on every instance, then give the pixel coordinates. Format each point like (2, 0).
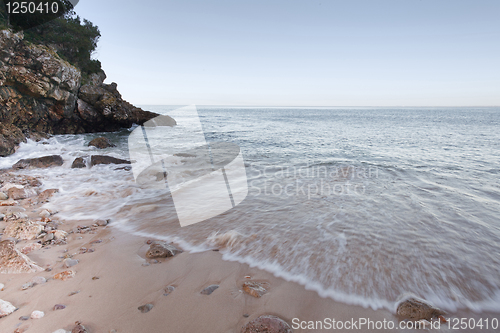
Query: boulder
(22, 229)
(162, 250)
(78, 163)
(415, 310)
(101, 143)
(101, 159)
(267, 324)
(14, 262)
(40, 162)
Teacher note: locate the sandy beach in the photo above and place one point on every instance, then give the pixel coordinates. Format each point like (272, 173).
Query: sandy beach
(114, 277)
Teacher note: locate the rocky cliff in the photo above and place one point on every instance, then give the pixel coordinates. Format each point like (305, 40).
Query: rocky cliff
(41, 94)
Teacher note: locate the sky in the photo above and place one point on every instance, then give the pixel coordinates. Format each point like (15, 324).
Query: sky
(300, 53)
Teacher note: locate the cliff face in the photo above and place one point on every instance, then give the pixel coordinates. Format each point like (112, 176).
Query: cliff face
(41, 93)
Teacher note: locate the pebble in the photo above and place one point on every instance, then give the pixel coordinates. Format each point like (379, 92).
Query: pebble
(64, 275)
(95, 278)
(24, 318)
(101, 223)
(74, 293)
(79, 328)
(3, 196)
(27, 285)
(246, 315)
(168, 290)
(67, 263)
(48, 237)
(2, 286)
(38, 280)
(60, 331)
(145, 308)
(254, 289)
(2, 216)
(59, 307)
(210, 289)
(37, 314)
(269, 324)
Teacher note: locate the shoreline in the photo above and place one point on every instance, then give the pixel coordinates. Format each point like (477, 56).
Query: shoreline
(117, 278)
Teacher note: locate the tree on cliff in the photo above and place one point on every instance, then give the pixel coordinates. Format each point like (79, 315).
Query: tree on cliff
(74, 39)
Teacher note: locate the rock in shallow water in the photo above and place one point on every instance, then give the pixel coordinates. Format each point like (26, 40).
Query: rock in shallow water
(40, 162)
(101, 143)
(162, 250)
(6, 308)
(267, 324)
(145, 308)
(209, 290)
(415, 310)
(100, 159)
(78, 163)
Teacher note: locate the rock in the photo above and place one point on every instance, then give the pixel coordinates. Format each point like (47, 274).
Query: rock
(60, 234)
(67, 263)
(168, 290)
(24, 318)
(10, 138)
(47, 194)
(48, 237)
(101, 159)
(17, 193)
(65, 275)
(145, 308)
(9, 202)
(209, 290)
(101, 143)
(2, 217)
(79, 328)
(23, 230)
(31, 247)
(78, 163)
(60, 331)
(6, 308)
(267, 324)
(59, 307)
(254, 289)
(162, 250)
(27, 285)
(101, 223)
(37, 314)
(2, 286)
(40, 162)
(14, 262)
(44, 213)
(3, 196)
(413, 309)
(38, 280)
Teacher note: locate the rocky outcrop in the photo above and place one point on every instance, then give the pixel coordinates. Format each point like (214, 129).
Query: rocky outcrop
(42, 93)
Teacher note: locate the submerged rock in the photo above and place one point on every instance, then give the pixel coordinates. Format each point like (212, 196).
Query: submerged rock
(162, 250)
(6, 308)
(209, 290)
(101, 159)
(255, 289)
(413, 309)
(145, 308)
(101, 143)
(267, 324)
(14, 262)
(40, 162)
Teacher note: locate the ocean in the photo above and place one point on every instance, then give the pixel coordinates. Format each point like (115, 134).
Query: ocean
(362, 205)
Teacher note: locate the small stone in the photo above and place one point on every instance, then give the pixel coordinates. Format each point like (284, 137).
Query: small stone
(48, 237)
(3, 196)
(48, 269)
(149, 241)
(60, 234)
(2, 286)
(95, 278)
(246, 315)
(38, 280)
(44, 213)
(78, 163)
(90, 250)
(74, 293)
(37, 314)
(2, 216)
(162, 250)
(59, 307)
(268, 324)
(168, 290)
(101, 223)
(210, 289)
(24, 318)
(27, 285)
(60, 331)
(145, 308)
(79, 328)
(96, 241)
(6, 308)
(254, 289)
(67, 263)
(64, 275)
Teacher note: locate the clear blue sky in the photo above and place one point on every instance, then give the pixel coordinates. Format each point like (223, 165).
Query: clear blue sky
(296, 53)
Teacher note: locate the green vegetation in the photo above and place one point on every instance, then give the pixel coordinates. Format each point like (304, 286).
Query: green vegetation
(74, 39)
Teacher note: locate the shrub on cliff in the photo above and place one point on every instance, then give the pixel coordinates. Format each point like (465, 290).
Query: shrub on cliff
(74, 39)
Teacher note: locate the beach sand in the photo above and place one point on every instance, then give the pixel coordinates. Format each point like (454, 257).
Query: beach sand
(117, 278)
